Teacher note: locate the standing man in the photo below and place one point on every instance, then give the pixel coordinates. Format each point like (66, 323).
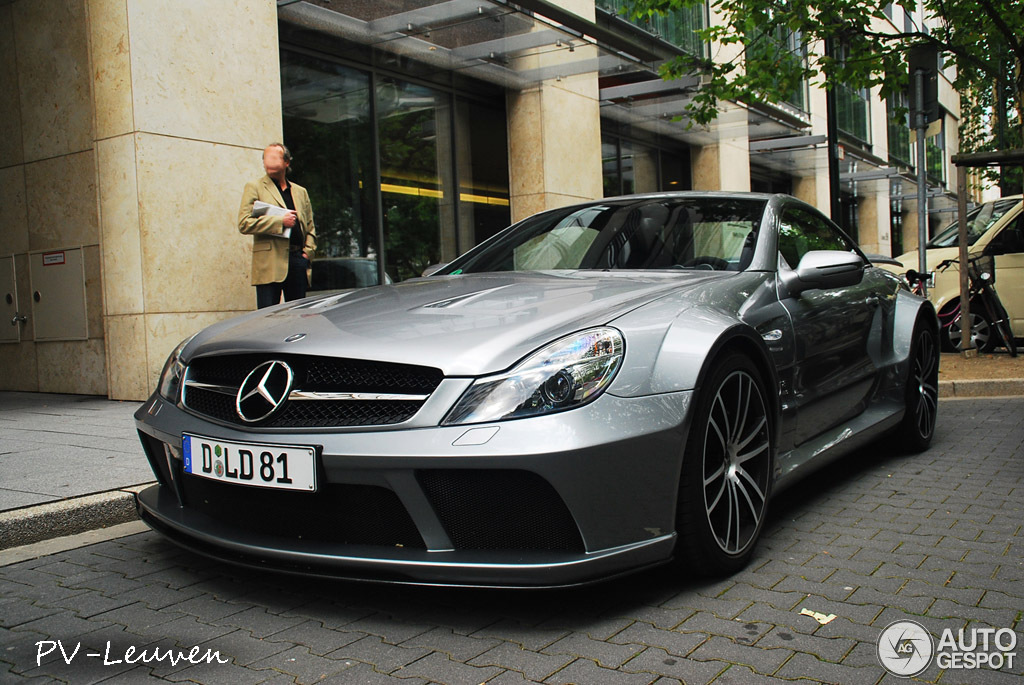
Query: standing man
(279, 264)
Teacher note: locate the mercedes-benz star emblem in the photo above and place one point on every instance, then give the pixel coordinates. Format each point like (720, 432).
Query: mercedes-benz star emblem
(263, 391)
(295, 338)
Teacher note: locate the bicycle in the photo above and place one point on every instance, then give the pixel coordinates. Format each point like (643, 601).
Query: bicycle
(987, 310)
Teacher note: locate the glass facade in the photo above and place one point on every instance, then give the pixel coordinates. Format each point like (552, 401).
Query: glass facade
(786, 49)
(632, 167)
(677, 27)
(382, 169)
(853, 113)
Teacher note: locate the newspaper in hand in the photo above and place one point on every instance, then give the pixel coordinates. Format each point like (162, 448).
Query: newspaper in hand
(260, 208)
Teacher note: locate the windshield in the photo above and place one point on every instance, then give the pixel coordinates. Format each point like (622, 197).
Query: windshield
(688, 233)
(978, 221)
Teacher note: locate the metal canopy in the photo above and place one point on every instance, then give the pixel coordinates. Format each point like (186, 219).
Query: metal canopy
(517, 46)
(487, 39)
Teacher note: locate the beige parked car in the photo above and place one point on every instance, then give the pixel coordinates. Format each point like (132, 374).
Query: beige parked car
(996, 228)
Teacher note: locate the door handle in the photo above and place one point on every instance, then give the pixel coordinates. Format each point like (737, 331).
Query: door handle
(871, 300)
(18, 318)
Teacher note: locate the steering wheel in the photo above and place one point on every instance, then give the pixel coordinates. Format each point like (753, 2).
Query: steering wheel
(705, 262)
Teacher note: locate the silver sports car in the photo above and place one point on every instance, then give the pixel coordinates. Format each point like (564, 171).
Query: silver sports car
(596, 389)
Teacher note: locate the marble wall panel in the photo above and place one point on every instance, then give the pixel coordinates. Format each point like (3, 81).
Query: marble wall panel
(119, 225)
(111, 67)
(525, 145)
(61, 199)
(572, 144)
(206, 71)
(127, 363)
(93, 291)
(54, 84)
(77, 367)
(193, 257)
(164, 332)
(10, 105)
(14, 217)
(18, 370)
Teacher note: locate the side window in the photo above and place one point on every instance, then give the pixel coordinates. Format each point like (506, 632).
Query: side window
(1010, 240)
(801, 231)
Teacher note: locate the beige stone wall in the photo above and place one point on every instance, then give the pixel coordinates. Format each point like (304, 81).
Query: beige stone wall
(47, 184)
(181, 125)
(130, 128)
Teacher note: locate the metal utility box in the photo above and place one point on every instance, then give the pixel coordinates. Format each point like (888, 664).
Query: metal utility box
(10, 328)
(58, 294)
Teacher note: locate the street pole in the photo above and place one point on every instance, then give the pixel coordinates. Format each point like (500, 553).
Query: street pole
(965, 300)
(922, 179)
(832, 132)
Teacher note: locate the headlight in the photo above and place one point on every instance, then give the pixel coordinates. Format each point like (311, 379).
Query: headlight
(170, 378)
(566, 374)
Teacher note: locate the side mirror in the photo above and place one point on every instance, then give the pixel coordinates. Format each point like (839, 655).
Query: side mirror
(432, 269)
(823, 270)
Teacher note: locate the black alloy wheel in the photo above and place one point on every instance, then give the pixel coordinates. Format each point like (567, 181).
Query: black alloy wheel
(727, 471)
(922, 391)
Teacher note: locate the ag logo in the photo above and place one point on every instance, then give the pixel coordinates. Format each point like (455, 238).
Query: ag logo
(905, 648)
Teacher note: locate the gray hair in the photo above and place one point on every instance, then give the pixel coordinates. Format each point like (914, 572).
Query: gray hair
(285, 152)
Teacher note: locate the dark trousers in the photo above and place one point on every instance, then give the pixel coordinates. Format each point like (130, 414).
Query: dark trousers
(293, 286)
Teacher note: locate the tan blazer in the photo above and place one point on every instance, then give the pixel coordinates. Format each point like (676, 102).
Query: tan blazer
(269, 254)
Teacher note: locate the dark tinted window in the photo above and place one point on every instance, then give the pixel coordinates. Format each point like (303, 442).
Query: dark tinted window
(802, 230)
(692, 233)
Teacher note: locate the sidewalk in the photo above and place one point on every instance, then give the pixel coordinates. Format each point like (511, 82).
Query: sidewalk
(72, 463)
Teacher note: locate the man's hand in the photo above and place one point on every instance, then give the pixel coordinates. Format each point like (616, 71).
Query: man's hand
(290, 219)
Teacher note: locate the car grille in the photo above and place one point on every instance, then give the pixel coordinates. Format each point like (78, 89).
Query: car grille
(312, 374)
(337, 513)
(500, 510)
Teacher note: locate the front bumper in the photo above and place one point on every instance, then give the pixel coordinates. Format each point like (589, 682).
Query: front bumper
(546, 501)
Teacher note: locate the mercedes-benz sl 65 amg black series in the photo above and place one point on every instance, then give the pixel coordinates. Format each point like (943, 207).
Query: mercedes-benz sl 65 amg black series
(596, 389)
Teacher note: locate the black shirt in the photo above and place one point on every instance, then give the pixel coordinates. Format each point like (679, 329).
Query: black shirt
(295, 241)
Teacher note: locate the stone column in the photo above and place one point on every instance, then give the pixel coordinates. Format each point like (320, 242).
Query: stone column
(185, 97)
(554, 133)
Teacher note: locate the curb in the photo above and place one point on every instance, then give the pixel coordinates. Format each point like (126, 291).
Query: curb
(995, 387)
(67, 517)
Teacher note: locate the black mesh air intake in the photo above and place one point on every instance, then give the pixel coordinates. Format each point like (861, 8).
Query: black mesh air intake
(337, 513)
(500, 510)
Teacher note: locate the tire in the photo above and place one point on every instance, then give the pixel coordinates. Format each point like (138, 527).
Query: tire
(921, 394)
(727, 471)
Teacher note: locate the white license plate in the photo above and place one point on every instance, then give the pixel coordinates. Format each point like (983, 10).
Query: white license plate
(285, 467)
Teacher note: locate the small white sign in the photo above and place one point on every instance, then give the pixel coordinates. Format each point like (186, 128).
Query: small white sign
(52, 258)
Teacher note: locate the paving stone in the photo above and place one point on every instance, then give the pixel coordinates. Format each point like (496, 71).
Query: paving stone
(737, 628)
(458, 647)
(533, 665)
(389, 629)
(583, 671)
(526, 637)
(763, 660)
(660, 662)
(606, 654)
(259, 622)
(364, 674)
(439, 668)
(382, 656)
(300, 663)
(675, 643)
(244, 649)
(315, 637)
(825, 648)
(810, 667)
(742, 675)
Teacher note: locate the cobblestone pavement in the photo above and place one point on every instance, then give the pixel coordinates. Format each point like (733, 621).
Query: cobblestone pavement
(937, 538)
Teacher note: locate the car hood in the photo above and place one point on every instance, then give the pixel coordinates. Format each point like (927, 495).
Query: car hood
(933, 257)
(465, 325)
